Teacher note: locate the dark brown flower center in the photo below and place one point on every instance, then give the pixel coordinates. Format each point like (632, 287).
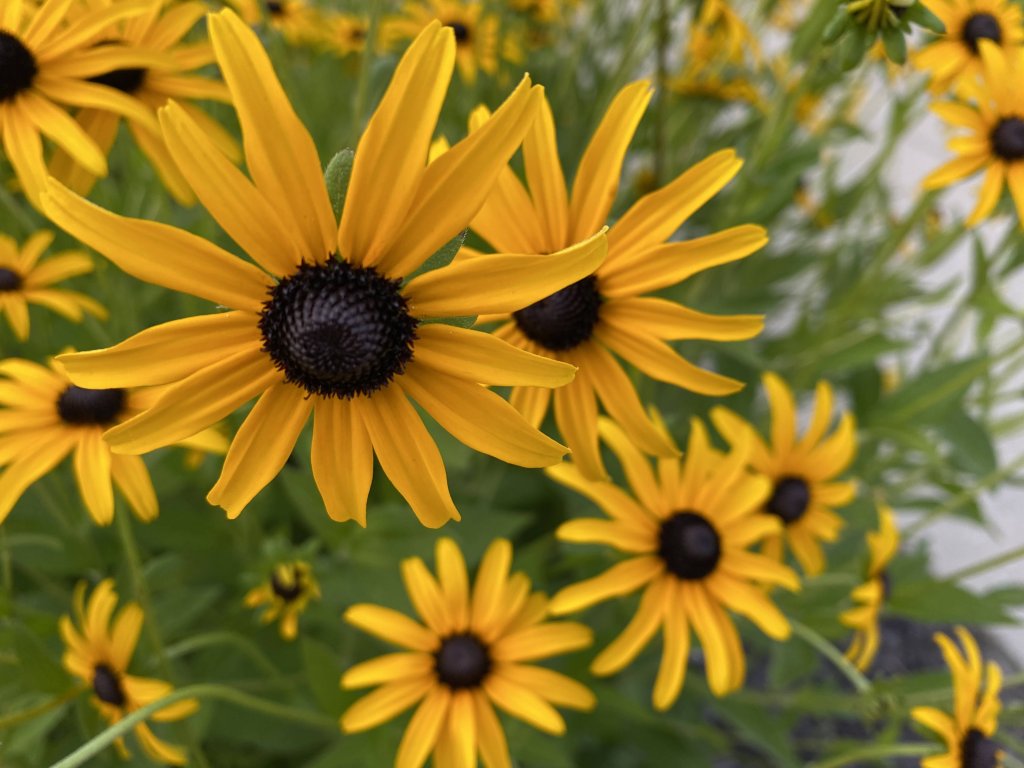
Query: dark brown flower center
(981, 26)
(78, 405)
(17, 67)
(689, 545)
(107, 685)
(565, 319)
(462, 661)
(978, 751)
(789, 500)
(1008, 138)
(288, 592)
(337, 330)
(461, 31)
(9, 280)
(125, 80)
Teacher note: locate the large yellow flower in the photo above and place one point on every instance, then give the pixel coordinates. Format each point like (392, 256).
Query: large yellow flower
(325, 324)
(99, 652)
(24, 280)
(45, 418)
(954, 60)
(46, 62)
(803, 472)
(475, 652)
(995, 140)
(968, 733)
(688, 531)
(870, 596)
(606, 312)
(161, 31)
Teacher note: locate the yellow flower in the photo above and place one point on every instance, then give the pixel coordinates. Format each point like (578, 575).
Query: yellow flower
(160, 32)
(802, 472)
(44, 417)
(99, 652)
(46, 63)
(345, 33)
(954, 60)
(475, 652)
(325, 324)
(296, 20)
(605, 312)
(871, 595)
(688, 530)
(24, 280)
(477, 40)
(285, 594)
(996, 135)
(968, 733)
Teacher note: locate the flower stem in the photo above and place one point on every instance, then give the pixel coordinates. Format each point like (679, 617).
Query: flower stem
(830, 652)
(207, 691)
(987, 565)
(874, 752)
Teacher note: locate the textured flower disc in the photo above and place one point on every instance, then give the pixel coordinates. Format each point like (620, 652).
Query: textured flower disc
(78, 405)
(1008, 138)
(564, 319)
(337, 330)
(107, 686)
(981, 26)
(125, 80)
(790, 499)
(9, 280)
(17, 67)
(979, 751)
(689, 545)
(462, 661)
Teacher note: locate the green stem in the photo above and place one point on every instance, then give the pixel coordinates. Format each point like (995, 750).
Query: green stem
(936, 695)
(875, 752)
(208, 691)
(830, 652)
(989, 564)
(661, 107)
(365, 67)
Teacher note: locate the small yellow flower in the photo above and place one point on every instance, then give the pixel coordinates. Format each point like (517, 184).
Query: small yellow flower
(687, 531)
(969, 732)
(475, 653)
(802, 471)
(99, 652)
(872, 594)
(995, 141)
(26, 279)
(285, 594)
(345, 33)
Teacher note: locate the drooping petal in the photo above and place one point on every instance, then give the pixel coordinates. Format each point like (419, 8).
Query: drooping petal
(342, 460)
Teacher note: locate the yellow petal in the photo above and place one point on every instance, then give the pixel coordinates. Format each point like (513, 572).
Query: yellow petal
(621, 579)
(92, 474)
(392, 627)
(342, 460)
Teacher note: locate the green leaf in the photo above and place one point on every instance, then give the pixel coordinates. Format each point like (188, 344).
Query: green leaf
(894, 44)
(444, 255)
(320, 664)
(971, 445)
(836, 27)
(929, 396)
(38, 666)
(337, 175)
(919, 14)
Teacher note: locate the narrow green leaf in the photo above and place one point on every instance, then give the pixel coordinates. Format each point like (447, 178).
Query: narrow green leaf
(337, 175)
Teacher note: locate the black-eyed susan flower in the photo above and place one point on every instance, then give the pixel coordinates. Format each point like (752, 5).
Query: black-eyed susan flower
(474, 651)
(995, 139)
(969, 731)
(802, 471)
(345, 33)
(605, 313)
(324, 324)
(160, 31)
(99, 652)
(27, 278)
(955, 57)
(285, 596)
(46, 62)
(871, 595)
(478, 43)
(44, 418)
(297, 20)
(688, 530)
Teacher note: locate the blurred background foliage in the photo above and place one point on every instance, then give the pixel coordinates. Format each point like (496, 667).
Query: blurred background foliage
(842, 286)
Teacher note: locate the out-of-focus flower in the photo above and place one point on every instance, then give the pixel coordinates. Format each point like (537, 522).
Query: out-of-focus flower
(99, 652)
(26, 278)
(475, 653)
(802, 471)
(687, 531)
(285, 596)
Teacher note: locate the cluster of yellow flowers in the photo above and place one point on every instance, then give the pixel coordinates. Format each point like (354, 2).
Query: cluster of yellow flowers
(333, 317)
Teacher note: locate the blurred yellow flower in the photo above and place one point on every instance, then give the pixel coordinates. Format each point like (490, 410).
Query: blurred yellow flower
(285, 594)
